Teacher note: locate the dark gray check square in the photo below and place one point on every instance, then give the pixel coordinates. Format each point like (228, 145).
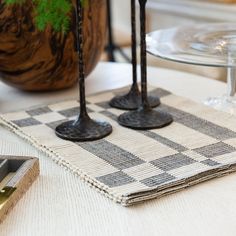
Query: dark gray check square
(172, 162)
(39, 111)
(71, 112)
(54, 124)
(177, 114)
(210, 162)
(26, 122)
(116, 179)
(158, 180)
(215, 150)
(104, 105)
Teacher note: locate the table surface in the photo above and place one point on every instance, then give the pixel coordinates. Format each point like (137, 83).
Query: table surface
(60, 204)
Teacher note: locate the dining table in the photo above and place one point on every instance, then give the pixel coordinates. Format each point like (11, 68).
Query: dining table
(60, 204)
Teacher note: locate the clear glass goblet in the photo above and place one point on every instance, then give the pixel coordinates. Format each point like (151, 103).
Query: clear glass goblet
(201, 44)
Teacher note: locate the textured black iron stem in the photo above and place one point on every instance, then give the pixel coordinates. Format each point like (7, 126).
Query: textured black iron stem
(133, 99)
(79, 40)
(142, 4)
(111, 47)
(134, 41)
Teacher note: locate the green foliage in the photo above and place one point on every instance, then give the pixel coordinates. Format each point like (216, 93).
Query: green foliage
(50, 12)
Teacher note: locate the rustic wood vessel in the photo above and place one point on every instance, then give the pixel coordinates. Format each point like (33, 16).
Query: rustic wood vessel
(39, 61)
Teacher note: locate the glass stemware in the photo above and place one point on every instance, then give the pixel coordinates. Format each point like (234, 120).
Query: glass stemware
(132, 100)
(206, 45)
(226, 102)
(83, 128)
(145, 117)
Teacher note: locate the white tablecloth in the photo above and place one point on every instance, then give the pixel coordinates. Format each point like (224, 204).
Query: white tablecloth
(60, 204)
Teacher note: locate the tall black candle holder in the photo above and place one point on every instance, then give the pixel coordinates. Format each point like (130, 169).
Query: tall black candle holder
(145, 117)
(133, 99)
(83, 128)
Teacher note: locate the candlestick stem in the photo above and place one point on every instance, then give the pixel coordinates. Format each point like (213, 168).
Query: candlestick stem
(83, 128)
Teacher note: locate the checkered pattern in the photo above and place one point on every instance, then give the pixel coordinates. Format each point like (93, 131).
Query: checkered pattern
(131, 166)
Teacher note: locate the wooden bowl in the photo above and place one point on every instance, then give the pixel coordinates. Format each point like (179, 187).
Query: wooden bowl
(41, 61)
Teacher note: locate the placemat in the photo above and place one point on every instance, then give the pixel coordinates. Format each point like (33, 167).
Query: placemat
(132, 166)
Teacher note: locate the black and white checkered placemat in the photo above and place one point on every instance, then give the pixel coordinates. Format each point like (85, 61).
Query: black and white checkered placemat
(132, 166)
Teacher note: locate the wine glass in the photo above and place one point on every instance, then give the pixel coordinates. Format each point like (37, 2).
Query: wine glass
(201, 44)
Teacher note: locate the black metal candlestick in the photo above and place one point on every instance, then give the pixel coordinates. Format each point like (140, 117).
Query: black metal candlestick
(83, 128)
(145, 117)
(132, 100)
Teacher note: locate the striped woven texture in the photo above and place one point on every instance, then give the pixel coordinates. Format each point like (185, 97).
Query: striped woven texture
(132, 166)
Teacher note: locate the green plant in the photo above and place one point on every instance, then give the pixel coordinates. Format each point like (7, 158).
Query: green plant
(55, 13)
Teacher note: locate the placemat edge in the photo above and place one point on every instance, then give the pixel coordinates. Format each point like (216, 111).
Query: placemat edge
(226, 170)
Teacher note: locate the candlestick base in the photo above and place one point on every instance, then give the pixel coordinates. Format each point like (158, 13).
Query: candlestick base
(83, 129)
(132, 100)
(145, 119)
